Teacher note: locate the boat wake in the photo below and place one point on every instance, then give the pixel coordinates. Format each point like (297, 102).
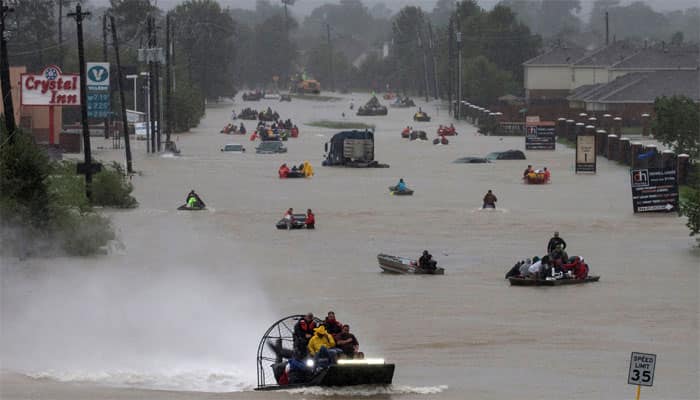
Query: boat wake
(369, 390)
(179, 380)
(489, 210)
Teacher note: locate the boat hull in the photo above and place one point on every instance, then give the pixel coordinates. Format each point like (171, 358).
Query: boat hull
(401, 265)
(345, 375)
(517, 281)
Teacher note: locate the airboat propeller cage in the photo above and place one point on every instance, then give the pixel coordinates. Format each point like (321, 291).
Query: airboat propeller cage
(371, 371)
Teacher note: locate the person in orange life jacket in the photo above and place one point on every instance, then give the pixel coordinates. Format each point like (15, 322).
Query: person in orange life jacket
(310, 220)
(303, 332)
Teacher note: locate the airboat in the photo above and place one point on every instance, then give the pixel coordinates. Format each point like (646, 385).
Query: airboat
(275, 350)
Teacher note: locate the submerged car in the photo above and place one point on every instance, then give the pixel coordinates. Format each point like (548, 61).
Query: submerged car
(234, 148)
(506, 155)
(270, 147)
(472, 160)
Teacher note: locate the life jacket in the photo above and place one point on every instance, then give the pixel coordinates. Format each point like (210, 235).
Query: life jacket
(581, 270)
(306, 327)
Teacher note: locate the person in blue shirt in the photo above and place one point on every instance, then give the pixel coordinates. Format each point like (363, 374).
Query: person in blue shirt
(401, 186)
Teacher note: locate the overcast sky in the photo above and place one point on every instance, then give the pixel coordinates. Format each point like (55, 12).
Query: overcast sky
(304, 7)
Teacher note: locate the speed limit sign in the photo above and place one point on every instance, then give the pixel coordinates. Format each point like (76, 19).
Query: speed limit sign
(642, 369)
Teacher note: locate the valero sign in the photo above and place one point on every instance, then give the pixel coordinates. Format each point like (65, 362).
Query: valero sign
(50, 88)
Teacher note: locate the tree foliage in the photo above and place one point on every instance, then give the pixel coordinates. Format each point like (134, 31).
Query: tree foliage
(677, 124)
(205, 36)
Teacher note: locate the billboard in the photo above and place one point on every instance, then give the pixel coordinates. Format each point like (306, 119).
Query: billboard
(654, 189)
(50, 88)
(540, 137)
(585, 153)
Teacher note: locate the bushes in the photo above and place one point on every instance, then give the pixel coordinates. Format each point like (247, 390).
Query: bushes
(111, 189)
(43, 208)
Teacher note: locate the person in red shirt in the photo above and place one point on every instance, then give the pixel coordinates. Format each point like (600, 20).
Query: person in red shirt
(283, 171)
(547, 174)
(310, 220)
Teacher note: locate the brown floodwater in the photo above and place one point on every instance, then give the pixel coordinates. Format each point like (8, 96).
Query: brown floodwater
(177, 307)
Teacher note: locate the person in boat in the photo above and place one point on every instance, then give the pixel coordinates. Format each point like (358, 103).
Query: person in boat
(296, 371)
(307, 169)
(322, 347)
(559, 256)
(295, 131)
(303, 332)
(401, 186)
(241, 129)
(193, 200)
(310, 219)
(426, 261)
(289, 215)
(554, 242)
(527, 171)
(524, 268)
(452, 129)
(577, 267)
(332, 325)
(406, 131)
(348, 344)
(547, 174)
(534, 271)
(489, 200)
(283, 171)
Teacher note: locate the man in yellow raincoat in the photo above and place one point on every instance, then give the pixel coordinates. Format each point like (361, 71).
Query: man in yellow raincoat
(322, 347)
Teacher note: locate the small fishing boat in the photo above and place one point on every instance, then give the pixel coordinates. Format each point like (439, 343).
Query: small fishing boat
(518, 281)
(402, 265)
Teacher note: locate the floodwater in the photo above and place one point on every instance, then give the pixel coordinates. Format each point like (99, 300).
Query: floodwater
(176, 310)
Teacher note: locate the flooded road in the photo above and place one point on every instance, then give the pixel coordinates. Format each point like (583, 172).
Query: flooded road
(182, 302)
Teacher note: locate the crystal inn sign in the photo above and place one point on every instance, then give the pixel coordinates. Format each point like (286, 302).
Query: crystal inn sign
(50, 88)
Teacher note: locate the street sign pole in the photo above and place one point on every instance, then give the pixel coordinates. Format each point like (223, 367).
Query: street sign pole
(641, 371)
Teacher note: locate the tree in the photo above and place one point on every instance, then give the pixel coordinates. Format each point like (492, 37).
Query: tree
(130, 17)
(483, 82)
(317, 66)
(274, 50)
(34, 25)
(407, 25)
(690, 207)
(677, 124)
(205, 37)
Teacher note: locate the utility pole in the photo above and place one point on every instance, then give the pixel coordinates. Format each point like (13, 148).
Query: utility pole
(330, 57)
(459, 74)
(425, 67)
(607, 29)
(168, 78)
(432, 52)
(60, 33)
(86, 168)
(151, 92)
(120, 86)
(450, 63)
(105, 59)
(5, 78)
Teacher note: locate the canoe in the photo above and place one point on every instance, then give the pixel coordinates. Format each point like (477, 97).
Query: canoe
(517, 281)
(402, 265)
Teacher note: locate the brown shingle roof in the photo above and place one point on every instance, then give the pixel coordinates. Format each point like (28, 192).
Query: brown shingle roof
(609, 55)
(642, 87)
(662, 57)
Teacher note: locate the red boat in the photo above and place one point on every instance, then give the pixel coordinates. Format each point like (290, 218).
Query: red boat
(447, 131)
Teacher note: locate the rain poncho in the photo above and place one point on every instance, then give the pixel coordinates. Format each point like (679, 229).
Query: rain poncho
(320, 338)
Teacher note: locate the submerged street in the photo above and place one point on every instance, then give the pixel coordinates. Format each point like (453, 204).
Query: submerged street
(182, 301)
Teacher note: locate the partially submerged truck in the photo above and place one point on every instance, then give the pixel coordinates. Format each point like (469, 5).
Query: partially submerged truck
(354, 149)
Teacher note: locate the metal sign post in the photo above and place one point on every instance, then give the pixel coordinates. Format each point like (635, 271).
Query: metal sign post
(641, 371)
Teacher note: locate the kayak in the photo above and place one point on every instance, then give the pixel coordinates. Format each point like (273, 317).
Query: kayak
(185, 208)
(518, 281)
(402, 265)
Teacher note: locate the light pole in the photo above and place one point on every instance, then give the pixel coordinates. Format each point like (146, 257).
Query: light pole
(147, 89)
(134, 78)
